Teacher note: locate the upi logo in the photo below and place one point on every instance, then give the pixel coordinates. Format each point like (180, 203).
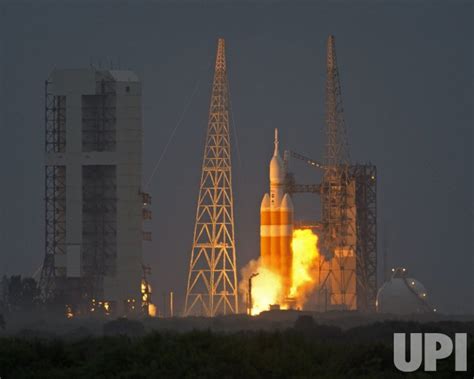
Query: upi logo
(437, 346)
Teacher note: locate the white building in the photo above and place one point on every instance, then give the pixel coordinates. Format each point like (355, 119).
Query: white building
(94, 203)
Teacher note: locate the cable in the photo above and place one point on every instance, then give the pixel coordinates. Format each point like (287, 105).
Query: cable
(234, 126)
(37, 272)
(180, 120)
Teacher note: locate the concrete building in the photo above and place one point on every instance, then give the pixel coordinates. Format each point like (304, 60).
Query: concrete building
(94, 202)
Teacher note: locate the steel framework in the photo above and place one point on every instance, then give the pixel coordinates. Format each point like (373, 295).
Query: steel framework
(365, 177)
(99, 187)
(336, 194)
(55, 191)
(349, 197)
(290, 183)
(98, 117)
(99, 226)
(348, 229)
(99, 246)
(212, 278)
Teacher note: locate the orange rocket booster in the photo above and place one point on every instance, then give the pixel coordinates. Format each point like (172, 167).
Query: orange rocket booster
(276, 222)
(265, 225)
(286, 234)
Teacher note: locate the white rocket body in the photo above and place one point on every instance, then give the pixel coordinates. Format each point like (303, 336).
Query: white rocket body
(276, 225)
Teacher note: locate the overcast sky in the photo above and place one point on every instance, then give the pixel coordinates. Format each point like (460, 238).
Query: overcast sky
(406, 74)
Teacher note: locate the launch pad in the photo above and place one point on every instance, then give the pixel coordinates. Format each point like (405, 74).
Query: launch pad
(93, 251)
(343, 273)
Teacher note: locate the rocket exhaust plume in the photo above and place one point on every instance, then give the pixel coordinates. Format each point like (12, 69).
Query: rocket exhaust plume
(306, 262)
(266, 287)
(270, 287)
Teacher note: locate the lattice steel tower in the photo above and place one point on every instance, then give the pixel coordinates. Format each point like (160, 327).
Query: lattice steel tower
(338, 192)
(212, 278)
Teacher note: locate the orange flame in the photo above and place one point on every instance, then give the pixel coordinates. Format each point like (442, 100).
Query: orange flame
(267, 287)
(305, 253)
(146, 291)
(152, 310)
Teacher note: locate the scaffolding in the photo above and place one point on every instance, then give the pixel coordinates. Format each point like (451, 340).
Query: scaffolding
(99, 226)
(365, 177)
(55, 122)
(55, 192)
(99, 209)
(348, 226)
(98, 117)
(99, 188)
(337, 193)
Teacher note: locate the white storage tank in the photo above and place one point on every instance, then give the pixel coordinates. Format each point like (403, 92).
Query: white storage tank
(403, 295)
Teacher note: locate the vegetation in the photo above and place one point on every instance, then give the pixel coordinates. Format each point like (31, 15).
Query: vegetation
(19, 294)
(123, 326)
(308, 350)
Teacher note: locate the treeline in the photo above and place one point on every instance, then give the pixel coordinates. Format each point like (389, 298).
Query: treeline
(18, 294)
(307, 350)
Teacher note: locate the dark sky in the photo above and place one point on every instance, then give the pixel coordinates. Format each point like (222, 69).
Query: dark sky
(406, 73)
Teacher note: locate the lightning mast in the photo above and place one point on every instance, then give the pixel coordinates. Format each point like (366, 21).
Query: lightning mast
(337, 196)
(212, 278)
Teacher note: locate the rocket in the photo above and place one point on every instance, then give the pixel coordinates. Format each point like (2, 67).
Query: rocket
(276, 223)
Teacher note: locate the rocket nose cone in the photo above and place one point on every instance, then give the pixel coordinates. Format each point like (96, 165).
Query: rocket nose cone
(265, 202)
(277, 170)
(286, 203)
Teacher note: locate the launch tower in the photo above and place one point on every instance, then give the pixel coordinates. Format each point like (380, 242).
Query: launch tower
(348, 193)
(338, 193)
